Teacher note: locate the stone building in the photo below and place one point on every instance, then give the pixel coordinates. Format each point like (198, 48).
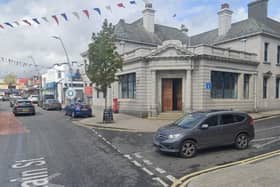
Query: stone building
(236, 66)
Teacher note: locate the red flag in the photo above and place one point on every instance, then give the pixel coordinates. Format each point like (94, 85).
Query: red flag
(121, 5)
(56, 19)
(86, 13)
(27, 22)
(2, 26)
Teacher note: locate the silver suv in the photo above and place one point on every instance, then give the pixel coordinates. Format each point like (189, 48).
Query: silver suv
(205, 129)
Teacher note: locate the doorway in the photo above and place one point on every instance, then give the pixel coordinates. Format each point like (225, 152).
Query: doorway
(171, 95)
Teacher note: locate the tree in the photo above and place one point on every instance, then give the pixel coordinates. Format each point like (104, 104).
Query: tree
(10, 79)
(104, 61)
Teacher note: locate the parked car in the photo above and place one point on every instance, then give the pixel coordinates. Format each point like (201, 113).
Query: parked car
(78, 110)
(52, 104)
(23, 106)
(34, 98)
(43, 99)
(1, 97)
(5, 98)
(205, 129)
(13, 100)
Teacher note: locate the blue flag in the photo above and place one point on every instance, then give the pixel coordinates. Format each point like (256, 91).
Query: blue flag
(64, 16)
(98, 11)
(36, 21)
(132, 2)
(9, 24)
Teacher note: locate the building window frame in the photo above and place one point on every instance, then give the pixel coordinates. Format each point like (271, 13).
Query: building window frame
(224, 85)
(265, 85)
(246, 86)
(266, 51)
(127, 86)
(278, 55)
(277, 86)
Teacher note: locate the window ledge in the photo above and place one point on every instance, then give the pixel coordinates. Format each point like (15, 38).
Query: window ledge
(266, 63)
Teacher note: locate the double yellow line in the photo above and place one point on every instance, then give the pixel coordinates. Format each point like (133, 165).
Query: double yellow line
(185, 180)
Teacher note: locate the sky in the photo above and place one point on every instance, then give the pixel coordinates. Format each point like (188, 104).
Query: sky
(21, 42)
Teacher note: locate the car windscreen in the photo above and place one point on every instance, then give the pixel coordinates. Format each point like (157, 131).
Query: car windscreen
(52, 101)
(189, 120)
(24, 103)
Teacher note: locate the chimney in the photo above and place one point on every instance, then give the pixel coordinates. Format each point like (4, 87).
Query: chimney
(225, 15)
(149, 18)
(258, 10)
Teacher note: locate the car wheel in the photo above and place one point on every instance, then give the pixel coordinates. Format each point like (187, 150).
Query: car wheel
(242, 141)
(188, 149)
(73, 115)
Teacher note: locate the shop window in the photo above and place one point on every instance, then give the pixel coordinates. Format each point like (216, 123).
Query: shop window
(224, 85)
(127, 86)
(246, 86)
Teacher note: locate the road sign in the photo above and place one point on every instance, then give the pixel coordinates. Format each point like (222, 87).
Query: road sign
(70, 93)
(208, 86)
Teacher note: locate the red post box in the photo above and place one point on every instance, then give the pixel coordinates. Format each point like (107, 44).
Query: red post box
(115, 105)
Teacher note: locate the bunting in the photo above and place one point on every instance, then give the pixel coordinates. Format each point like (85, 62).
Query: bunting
(36, 21)
(27, 22)
(56, 19)
(17, 23)
(19, 63)
(98, 11)
(64, 16)
(86, 13)
(9, 24)
(108, 7)
(132, 2)
(45, 19)
(2, 27)
(121, 5)
(76, 14)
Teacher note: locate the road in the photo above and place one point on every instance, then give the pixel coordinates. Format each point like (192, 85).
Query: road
(50, 148)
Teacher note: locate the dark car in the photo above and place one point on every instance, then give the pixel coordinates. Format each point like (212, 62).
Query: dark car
(52, 104)
(78, 110)
(205, 129)
(23, 106)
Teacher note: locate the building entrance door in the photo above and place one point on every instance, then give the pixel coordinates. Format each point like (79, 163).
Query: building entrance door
(171, 95)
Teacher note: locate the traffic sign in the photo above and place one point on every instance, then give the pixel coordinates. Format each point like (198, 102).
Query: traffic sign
(70, 93)
(208, 86)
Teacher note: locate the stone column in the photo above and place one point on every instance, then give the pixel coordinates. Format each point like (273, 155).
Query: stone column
(252, 87)
(240, 86)
(188, 91)
(153, 101)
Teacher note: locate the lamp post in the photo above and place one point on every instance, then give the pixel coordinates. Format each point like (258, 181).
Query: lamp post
(38, 72)
(67, 59)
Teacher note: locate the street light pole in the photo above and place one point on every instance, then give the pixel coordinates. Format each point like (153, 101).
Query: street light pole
(67, 59)
(38, 72)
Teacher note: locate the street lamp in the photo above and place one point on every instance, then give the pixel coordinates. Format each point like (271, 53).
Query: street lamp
(67, 59)
(37, 70)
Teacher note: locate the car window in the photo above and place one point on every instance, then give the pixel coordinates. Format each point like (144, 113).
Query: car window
(189, 120)
(231, 118)
(24, 103)
(211, 121)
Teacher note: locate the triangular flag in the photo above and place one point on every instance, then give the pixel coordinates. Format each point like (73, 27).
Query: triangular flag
(56, 19)
(132, 2)
(45, 19)
(98, 10)
(1, 26)
(64, 16)
(36, 21)
(76, 14)
(108, 8)
(86, 13)
(27, 22)
(121, 5)
(7, 23)
(17, 23)
(174, 15)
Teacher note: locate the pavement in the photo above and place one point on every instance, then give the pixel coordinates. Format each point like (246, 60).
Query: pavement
(123, 122)
(257, 174)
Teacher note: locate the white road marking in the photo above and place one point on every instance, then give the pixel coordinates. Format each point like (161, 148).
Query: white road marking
(136, 163)
(99, 135)
(160, 181)
(160, 170)
(267, 129)
(114, 146)
(128, 157)
(171, 178)
(148, 162)
(108, 142)
(264, 139)
(147, 171)
(138, 155)
(14, 180)
(258, 146)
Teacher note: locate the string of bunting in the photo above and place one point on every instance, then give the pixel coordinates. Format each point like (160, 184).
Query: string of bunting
(19, 63)
(66, 17)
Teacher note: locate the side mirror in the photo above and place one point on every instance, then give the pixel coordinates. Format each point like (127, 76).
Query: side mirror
(204, 126)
